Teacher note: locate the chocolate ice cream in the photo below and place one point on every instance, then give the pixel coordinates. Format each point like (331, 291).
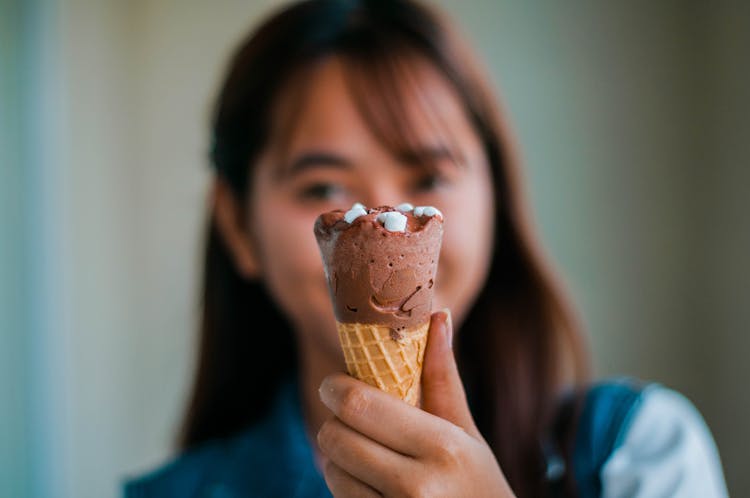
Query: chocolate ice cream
(381, 263)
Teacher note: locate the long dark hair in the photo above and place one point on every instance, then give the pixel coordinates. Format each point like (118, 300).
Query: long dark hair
(520, 341)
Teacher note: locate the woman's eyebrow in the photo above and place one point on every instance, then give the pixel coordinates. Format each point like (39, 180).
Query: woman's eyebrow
(316, 159)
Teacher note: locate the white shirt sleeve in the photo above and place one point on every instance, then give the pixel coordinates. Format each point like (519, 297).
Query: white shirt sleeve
(667, 451)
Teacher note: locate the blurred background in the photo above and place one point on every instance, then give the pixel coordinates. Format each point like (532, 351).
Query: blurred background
(632, 116)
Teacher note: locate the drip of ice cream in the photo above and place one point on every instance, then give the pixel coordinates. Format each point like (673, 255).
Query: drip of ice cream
(381, 263)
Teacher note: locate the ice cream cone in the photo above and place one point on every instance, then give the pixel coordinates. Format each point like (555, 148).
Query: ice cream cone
(380, 265)
(391, 361)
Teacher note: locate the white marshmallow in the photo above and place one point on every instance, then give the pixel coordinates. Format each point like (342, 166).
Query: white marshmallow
(380, 218)
(354, 213)
(358, 205)
(427, 211)
(405, 207)
(395, 222)
(432, 211)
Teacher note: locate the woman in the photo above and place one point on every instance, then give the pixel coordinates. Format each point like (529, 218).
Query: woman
(332, 102)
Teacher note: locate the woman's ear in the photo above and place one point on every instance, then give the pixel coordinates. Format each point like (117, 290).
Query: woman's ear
(230, 221)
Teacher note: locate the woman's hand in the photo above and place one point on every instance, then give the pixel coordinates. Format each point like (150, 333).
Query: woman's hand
(377, 445)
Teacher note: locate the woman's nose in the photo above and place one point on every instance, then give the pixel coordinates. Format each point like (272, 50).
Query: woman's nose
(383, 194)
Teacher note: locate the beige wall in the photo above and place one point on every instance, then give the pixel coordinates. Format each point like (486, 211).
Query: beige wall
(721, 187)
(629, 117)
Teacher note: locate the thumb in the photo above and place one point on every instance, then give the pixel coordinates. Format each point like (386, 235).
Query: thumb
(442, 391)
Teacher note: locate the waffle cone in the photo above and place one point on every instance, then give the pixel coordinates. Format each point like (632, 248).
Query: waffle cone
(384, 358)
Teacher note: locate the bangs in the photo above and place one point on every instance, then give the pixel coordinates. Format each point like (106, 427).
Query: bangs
(393, 89)
(395, 93)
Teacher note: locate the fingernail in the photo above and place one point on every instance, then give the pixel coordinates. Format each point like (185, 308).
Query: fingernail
(327, 394)
(448, 327)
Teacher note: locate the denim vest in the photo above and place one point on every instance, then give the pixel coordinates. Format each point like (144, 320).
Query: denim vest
(275, 459)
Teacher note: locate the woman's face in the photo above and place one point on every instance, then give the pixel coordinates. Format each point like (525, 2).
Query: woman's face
(331, 159)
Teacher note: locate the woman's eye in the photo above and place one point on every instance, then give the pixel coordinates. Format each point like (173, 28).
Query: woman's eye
(321, 191)
(429, 182)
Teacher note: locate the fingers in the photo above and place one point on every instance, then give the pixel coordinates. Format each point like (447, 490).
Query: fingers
(399, 426)
(361, 457)
(442, 390)
(344, 485)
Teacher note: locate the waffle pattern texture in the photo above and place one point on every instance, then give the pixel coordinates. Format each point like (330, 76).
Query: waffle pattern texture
(384, 358)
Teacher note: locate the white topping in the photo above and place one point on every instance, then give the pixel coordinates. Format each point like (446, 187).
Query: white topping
(354, 213)
(432, 211)
(427, 211)
(395, 222)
